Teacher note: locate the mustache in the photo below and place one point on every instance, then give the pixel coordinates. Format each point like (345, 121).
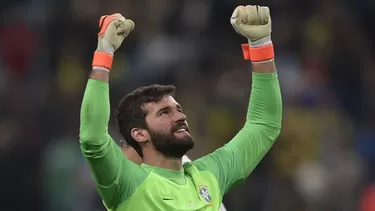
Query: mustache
(180, 125)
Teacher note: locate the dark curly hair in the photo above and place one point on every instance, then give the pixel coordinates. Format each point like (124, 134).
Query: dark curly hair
(130, 114)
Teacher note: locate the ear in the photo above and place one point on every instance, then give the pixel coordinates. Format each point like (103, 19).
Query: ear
(140, 135)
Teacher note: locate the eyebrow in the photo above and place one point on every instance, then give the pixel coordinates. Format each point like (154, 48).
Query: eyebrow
(168, 107)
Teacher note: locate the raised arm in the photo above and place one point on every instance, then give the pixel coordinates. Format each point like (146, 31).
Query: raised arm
(108, 165)
(233, 162)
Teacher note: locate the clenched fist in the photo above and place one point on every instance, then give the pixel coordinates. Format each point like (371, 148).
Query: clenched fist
(113, 30)
(254, 23)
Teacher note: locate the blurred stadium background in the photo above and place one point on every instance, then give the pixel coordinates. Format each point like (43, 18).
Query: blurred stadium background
(324, 159)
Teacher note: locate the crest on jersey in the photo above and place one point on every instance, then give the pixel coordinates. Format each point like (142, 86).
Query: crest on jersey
(203, 190)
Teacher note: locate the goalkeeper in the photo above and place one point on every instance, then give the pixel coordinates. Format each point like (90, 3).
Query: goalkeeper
(132, 155)
(153, 123)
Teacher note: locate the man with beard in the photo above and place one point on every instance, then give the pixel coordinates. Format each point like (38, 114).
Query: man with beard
(153, 123)
(132, 155)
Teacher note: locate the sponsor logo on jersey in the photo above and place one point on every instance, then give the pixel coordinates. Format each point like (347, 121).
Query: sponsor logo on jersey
(203, 190)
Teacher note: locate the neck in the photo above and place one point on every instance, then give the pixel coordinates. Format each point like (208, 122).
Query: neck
(159, 160)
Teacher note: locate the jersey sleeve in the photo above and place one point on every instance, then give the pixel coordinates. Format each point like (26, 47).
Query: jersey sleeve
(234, 162)
(116, 177)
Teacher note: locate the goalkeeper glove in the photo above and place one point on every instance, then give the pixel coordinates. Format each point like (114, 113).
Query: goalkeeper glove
(113, 30)
(254, 23)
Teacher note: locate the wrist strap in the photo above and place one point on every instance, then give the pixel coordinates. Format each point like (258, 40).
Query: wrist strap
(246, 51)
(258, 54)
(102, 59)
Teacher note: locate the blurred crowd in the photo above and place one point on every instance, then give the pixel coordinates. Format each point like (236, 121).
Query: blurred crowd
(324, 159)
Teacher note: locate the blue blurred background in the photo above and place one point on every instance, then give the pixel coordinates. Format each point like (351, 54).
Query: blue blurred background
(324, 160)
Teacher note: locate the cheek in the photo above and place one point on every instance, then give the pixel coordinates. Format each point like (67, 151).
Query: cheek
(161, 125)
(164, 129)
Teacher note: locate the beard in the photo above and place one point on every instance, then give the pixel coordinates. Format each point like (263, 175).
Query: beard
(169, 144)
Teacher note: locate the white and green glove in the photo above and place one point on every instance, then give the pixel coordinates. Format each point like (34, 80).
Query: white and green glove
(113, 30)
(254, 23)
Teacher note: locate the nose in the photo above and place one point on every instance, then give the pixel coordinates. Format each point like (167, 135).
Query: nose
(180, 117)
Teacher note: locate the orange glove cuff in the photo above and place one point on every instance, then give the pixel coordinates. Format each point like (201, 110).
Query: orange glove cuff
(246, 51)
(102, 59)
(258, 54)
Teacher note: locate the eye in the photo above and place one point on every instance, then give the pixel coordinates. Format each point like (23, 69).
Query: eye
(164, 113)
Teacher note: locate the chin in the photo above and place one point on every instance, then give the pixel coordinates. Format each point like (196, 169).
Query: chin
(177, 148)
(175, 145)
(186, 141)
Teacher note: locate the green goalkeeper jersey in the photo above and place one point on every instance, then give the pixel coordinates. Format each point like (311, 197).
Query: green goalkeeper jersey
(201, 184)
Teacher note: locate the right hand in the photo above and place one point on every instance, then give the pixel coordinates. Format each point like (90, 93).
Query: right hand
(113, 30)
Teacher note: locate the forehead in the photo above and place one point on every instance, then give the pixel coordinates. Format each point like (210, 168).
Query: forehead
(166, 101)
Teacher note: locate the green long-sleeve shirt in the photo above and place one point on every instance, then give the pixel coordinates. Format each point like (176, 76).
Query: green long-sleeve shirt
(201, 184)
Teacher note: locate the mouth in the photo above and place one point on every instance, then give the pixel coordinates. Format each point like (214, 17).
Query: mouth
(183, 129)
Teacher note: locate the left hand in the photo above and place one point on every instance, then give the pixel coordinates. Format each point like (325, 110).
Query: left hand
(253, 22)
